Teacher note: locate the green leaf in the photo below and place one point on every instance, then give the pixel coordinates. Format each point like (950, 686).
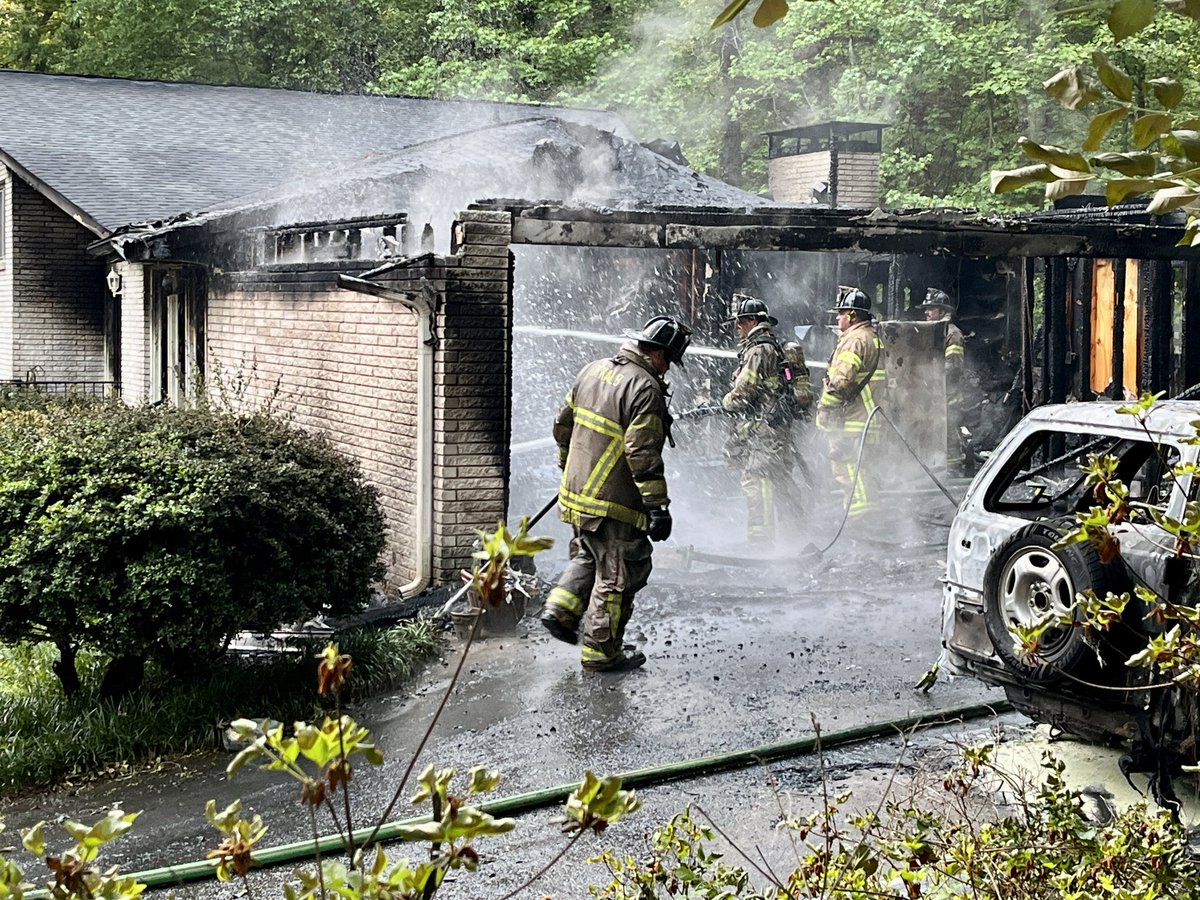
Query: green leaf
(1116, 80)
(1188, 142)
(1147, 128)
(1191, 234)
(1171, 198)
(1067, 187)
(729, 13)
(769, 12)
(1015, 179)
(1072, 89)
(1167, 91)
(1128, 17)
(34, 840)
(1101, 125)
(1120, 189)
(1133, 164)
(1053, 156)
(1189, 8)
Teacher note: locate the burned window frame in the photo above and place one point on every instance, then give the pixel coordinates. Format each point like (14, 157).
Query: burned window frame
(1134, 451)
(346, 240)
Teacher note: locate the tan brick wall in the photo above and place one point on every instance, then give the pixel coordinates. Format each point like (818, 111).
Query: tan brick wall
(790, 178)
(6, 271)
(57, 292)
(341, 363)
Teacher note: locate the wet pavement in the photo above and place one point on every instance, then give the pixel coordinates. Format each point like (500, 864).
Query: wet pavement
(738, 657)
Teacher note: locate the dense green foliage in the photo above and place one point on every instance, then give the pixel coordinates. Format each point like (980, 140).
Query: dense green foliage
(45, 738)
(159, 533)
(957, 80)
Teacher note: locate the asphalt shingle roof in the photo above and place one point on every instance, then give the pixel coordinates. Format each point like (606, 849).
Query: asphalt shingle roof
(134, 151)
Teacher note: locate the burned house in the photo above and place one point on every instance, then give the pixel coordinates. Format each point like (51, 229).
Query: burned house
(342, 254)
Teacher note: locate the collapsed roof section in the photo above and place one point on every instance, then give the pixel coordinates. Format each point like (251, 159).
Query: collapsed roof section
(579, 166)
(114, 151)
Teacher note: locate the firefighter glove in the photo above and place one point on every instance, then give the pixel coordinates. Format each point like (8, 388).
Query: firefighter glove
(660, 524)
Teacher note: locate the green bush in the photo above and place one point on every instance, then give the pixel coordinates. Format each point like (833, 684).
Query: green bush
(161, 533)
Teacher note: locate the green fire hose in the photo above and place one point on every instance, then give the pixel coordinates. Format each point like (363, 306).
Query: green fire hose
(283, 854)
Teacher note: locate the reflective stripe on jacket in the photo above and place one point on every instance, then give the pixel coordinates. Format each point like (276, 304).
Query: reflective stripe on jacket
(856, 378)
(610, 433)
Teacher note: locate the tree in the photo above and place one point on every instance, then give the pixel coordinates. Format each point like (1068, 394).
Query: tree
(523, 50)
(326, 45)
(1152, 133)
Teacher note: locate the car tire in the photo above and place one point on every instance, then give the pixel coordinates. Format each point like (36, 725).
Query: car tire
(1027, 578)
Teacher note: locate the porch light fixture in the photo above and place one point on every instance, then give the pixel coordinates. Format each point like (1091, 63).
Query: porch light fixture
(113, 280)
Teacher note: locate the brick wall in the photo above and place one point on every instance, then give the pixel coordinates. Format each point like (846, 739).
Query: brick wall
(6, 287)
(57, 298)
(339, 362)
(344, 363)
(790, 178)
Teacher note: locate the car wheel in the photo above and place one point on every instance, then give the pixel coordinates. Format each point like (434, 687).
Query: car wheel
(1028, 579)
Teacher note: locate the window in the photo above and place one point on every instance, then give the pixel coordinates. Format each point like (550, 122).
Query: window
(1045, 476)
(333, 241)
(177, 321)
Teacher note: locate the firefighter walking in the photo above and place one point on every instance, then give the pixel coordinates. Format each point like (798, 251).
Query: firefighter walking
(610, 434)
(763, 402)
(940, 308)
(854, 385)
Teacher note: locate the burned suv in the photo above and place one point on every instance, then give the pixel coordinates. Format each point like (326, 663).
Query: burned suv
(1006, 568)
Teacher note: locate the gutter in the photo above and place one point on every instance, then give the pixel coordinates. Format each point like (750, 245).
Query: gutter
(424, 305)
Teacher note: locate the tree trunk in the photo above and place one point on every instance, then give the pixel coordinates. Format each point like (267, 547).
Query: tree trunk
(731, 130)
(64, 668)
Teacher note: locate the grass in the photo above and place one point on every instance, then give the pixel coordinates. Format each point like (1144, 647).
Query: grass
(44, 738)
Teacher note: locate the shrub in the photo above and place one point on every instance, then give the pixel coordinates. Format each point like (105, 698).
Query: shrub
(161, 533)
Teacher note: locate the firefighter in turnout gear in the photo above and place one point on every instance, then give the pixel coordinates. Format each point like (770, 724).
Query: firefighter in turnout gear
(940, 308)
(762, 401)
(854, 385)
(610, 434)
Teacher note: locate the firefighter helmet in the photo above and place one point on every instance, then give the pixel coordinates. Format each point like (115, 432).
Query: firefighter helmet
(665, 332)
(747, 307)
(852, 299)
(935, 299)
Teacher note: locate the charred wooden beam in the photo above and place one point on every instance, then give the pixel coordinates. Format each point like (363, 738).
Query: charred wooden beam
(1028, 347)
(1054, 310)
(590, 234)
(1117, 387)
(1154, 303)
(1081, 292)
(1189, 373)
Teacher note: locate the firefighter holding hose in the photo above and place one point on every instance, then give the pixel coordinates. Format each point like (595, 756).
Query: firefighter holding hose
(854, 386)
(765, 404)
(610, 434)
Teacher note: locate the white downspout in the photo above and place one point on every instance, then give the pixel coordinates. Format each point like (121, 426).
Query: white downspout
(423, 305)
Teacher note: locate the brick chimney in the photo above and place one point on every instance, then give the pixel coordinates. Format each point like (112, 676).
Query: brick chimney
(832, 163)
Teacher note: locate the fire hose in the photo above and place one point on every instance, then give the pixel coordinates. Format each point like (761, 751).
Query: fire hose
(697, 767)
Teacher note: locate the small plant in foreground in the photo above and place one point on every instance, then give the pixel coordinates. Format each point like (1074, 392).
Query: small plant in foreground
(942, 839)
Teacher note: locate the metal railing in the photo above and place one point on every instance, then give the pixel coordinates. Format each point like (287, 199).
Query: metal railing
(63, 388)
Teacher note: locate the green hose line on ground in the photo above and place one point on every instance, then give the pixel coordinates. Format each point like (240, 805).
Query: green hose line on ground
(521, 803)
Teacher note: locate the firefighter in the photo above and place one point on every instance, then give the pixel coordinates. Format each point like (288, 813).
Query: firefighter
(610, 434)
(854, 385)
(940, 308)
(761, 399)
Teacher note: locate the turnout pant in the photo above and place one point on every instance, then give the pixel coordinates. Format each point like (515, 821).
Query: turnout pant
(766, 458)
(856, 482)
(607, 568)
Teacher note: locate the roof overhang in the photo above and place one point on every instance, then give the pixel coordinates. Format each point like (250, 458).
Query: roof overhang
(53, 196)
(925, 232)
